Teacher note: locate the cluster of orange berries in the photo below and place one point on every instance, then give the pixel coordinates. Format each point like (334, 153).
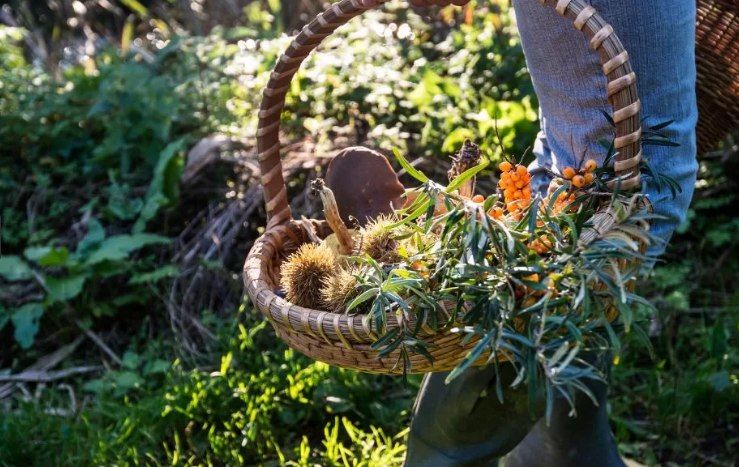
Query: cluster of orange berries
(515, 183)
(583, 177)
(563, 202)
(542, 244)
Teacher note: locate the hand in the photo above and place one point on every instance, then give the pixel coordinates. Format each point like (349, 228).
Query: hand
(430, 3)
(421, 3)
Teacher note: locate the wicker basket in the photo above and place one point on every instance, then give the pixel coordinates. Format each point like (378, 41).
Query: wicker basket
(345, 340)
(717, 61)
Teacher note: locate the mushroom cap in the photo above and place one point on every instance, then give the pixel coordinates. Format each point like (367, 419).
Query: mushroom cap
(364, 184)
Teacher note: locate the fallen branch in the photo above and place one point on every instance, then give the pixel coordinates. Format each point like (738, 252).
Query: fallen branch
(99, 342)
(44, 363)
(47, 376)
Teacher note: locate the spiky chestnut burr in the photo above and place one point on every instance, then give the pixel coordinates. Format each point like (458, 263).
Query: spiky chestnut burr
(378, 241)
(338, 289)
(303, 274)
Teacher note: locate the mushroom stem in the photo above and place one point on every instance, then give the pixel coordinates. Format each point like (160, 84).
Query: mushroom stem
(466, 158)
(331, 210)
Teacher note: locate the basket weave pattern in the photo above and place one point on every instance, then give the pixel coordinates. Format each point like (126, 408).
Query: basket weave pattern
(717, 63)
(345, 340)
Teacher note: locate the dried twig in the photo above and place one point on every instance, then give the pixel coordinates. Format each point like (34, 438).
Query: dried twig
(44, 363)
(43, 376)
(99, 342)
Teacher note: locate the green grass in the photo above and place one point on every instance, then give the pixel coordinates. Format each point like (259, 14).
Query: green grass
(69, 153)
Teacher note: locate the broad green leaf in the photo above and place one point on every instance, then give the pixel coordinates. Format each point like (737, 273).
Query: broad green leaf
(26, 321)
(128, 380)
(95, 235)
(164, 187)
(64, 288)
(13, 268)
(169, 270)
(131, 360)
(157, 366)
(47, 255)
(719, 380)
(120, 246)
(122, 203)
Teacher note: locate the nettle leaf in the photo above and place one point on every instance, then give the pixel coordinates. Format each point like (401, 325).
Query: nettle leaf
(47, 255)
(26, 321)
(95, 235)
(13, 268)
(119, 247)
(156, 275)
(125, 380)
(131, 360)
(164, 187)
(64, 288)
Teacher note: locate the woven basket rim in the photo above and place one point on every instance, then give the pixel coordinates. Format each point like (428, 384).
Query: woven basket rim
(257, 285)
(319, 333)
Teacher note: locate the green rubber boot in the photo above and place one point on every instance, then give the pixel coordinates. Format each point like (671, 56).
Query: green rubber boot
(585, 440)
(464, 424)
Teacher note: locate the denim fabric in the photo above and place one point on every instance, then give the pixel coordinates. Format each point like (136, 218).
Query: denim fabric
(660, 38)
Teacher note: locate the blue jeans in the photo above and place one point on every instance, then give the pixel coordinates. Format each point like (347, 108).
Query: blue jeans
(659, 36)
(462, 424)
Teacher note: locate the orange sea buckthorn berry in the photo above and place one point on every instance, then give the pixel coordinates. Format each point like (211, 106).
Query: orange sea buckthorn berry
(527, 192)
(520, 184)
(590, 165)
(589, 177)
(521, 170)
(578, 181)
(496, 212)
(478, 199)
(518, 194)
(417, 265)
(568, 173)
(505, 166)
(532, 277)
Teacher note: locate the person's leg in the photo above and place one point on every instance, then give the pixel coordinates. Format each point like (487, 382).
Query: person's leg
(659, 36)
(463, 423)
(583, 440)
(450, 426)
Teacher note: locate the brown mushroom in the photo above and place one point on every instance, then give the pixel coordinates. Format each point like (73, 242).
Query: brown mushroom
(364, 184)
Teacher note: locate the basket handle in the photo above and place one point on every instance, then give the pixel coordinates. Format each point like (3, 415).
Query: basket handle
(621, 91)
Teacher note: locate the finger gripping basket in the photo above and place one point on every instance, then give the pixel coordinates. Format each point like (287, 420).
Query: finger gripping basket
(345, 340)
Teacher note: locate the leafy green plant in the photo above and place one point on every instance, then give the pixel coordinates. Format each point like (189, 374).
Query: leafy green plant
(263, 403)
(63, 165)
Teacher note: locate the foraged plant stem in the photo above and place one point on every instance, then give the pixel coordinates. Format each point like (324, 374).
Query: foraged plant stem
(331, 210)
(466, 158)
